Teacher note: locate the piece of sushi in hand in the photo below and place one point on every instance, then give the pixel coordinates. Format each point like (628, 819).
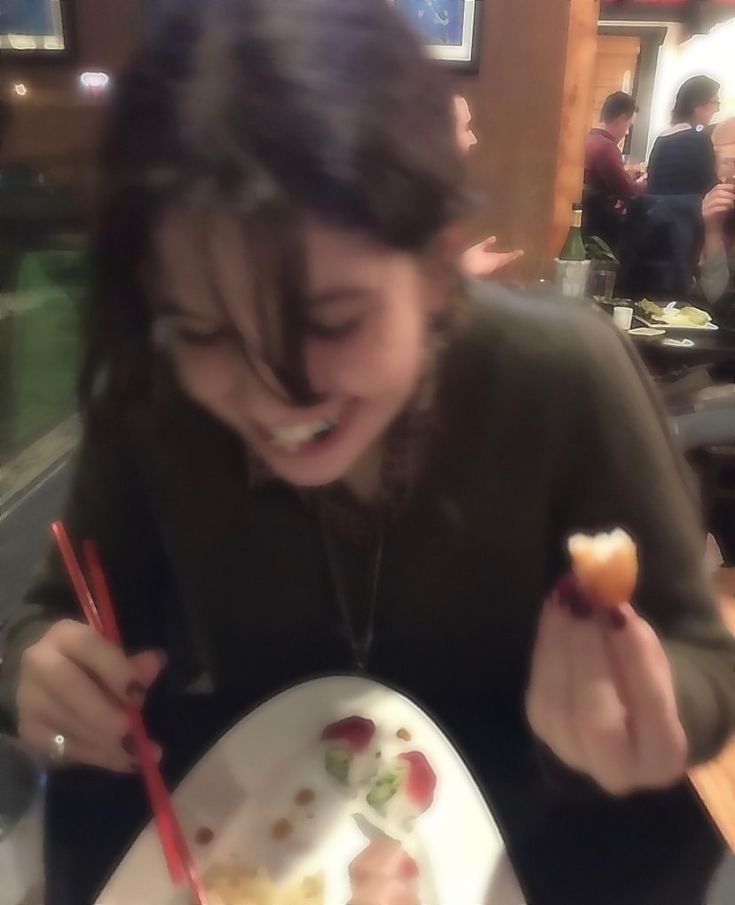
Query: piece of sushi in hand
(403, 789)
(383, 874)
(606, 566)
(350, 753)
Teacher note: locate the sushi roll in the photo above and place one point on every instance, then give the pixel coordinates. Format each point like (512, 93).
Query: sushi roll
(350, 753)
(404, 789)
(383, 874)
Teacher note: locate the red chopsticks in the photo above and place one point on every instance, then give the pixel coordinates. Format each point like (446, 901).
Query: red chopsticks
(100, 614)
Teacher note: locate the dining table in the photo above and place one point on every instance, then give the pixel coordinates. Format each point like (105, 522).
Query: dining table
(687, 349)
(676, 348)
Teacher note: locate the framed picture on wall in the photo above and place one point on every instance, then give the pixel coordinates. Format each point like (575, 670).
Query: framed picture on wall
(33, 27)
(449, 27)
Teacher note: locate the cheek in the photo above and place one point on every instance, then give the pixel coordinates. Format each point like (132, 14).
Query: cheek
(385, 358)
(210, 377)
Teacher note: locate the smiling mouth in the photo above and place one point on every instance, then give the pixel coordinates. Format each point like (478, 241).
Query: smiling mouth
(309, 434)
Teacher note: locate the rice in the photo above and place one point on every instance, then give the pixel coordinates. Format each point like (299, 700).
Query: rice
(234, 886)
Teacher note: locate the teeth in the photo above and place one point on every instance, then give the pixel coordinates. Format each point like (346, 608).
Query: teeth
(298, 434)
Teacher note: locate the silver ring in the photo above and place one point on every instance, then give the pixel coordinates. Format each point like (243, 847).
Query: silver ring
(58, 748)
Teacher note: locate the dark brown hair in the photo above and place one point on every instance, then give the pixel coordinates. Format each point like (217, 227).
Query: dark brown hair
(617, 104)
(695, 92)
(269, 109)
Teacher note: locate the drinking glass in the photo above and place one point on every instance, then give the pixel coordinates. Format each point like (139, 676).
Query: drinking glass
(22, 783)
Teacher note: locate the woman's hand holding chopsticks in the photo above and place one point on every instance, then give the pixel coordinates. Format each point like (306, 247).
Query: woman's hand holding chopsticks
(74, 684)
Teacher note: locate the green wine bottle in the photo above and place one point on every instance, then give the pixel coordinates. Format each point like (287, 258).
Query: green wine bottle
(574, 248)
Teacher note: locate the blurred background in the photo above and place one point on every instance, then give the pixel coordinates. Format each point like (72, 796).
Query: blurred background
(58, 63)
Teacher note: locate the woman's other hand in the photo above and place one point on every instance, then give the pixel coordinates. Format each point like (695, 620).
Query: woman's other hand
(601, 696)
(73, 683)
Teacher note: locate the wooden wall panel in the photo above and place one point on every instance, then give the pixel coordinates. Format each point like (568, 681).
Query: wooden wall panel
(574, 116)
(530, 119)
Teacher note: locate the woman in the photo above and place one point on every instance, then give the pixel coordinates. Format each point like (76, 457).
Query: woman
(683, 158)
(309, 447)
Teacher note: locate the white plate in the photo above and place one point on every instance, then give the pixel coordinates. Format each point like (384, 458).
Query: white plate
(248, 780)
(648, 332)
(662, 325)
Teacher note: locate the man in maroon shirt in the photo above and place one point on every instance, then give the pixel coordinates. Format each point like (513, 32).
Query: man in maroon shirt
(607, 185)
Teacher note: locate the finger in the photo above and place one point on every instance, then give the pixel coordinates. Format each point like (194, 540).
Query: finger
(104, 660)
(549, 699)
(489, 242)
(647, 685)
(599, 714)
(73, 689)
(41, 736)
(511, 256)
(34, 703)
(148, 665)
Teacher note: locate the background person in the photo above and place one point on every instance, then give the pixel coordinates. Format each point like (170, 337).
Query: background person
(481, 260)
(683, 160)
(608, 187)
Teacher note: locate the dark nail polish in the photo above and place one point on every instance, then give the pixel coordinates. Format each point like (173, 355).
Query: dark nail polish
(571, 596)
(567, 588)
(616, 619)
(579, 608)
(128, 745)
(135, 690)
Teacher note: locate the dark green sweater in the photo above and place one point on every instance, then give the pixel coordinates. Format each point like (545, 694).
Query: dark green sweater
(547, 426)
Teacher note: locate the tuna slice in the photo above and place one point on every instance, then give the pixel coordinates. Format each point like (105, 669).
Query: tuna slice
(384, 874)
(355, 732)
(421, 779)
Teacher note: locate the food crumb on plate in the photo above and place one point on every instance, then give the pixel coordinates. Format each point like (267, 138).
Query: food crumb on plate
(236, 886)
(204, 836)
(282, 829)
(404, 735)
(304, 797)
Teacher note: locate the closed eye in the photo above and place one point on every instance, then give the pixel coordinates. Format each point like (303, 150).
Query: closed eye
(334, 332)
(201, 339)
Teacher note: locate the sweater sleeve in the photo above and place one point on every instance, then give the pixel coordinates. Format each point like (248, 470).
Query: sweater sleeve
(624, 471)
(714, 277)
(107, 503)
(612, 174)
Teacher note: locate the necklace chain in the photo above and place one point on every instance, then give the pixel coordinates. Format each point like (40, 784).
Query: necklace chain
(361, 646)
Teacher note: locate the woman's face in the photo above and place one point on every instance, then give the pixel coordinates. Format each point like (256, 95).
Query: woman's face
(365, 350)
(705, 113)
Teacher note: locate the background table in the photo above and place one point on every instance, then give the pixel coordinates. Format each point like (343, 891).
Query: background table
(709, 348)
